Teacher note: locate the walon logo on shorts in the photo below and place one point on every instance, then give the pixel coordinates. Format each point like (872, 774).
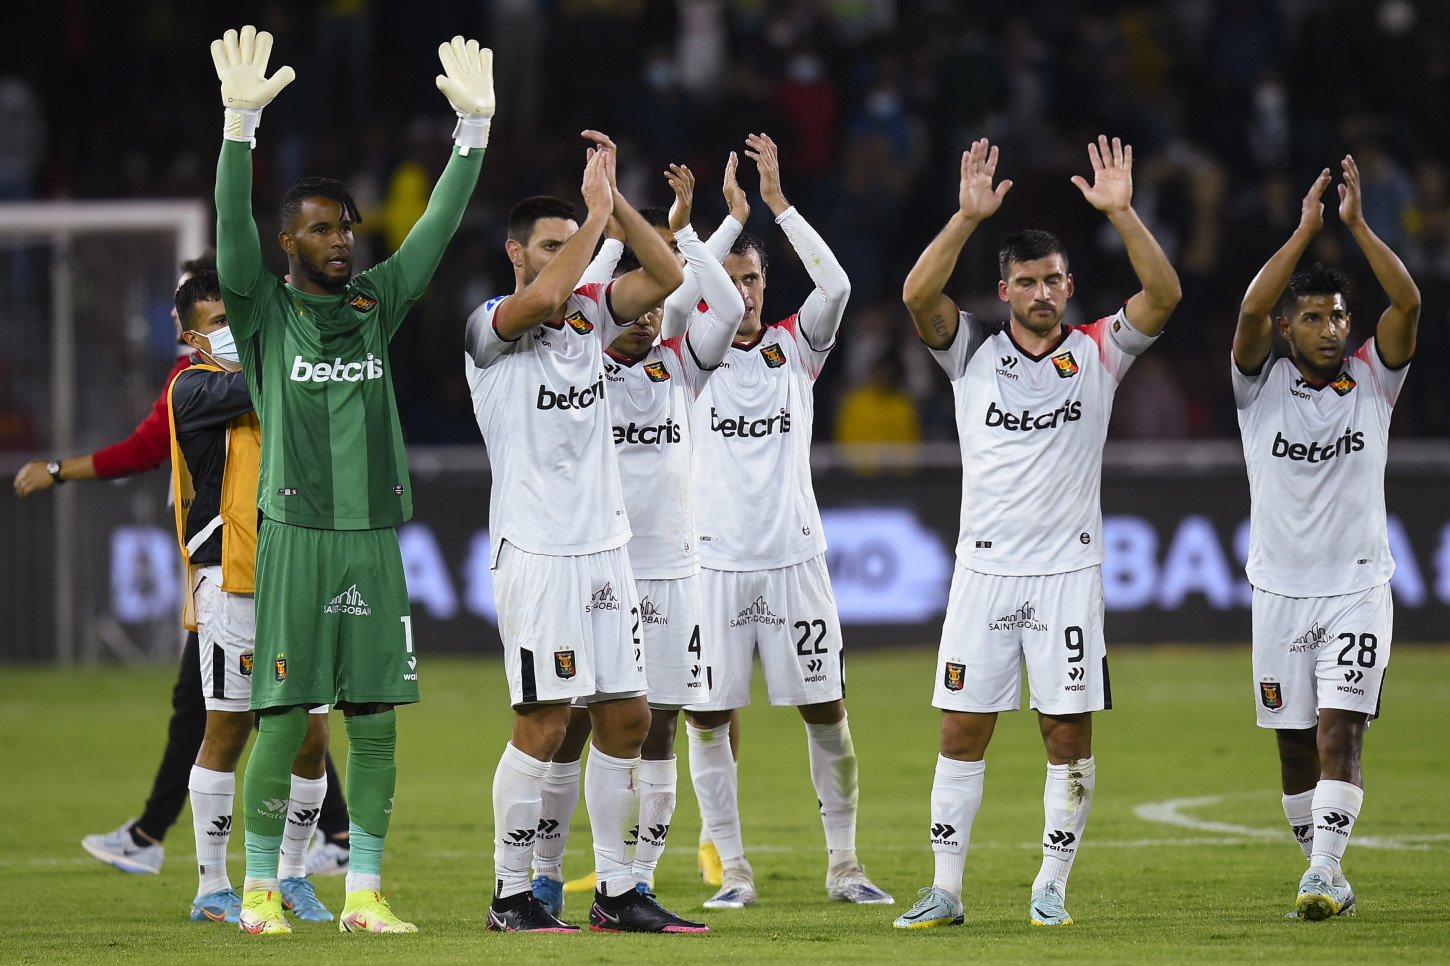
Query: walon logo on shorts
(1271, 695)
(603, 599)
(757, 613)
(1025, 617)
(1311, 640)
(348, 602)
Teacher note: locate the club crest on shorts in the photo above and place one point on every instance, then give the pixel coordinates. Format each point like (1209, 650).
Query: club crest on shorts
(1271, 695)
(279, 668)
(1344, 385)
(773, 355)
(656, 371)
(244, 663)
(955, 677)
(1065, 365)
(579, 323)
(564, 664)
(362, 303)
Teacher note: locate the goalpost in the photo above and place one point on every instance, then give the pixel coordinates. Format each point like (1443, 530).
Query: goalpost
(85, 343)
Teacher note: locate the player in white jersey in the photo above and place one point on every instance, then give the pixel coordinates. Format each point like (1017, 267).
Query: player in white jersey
(649, 388)
(762, 552)
(1032, 402)
(566, 600)
(1316, 426)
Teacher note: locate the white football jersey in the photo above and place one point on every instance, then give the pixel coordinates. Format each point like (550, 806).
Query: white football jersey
(1316, 461)
(1032, 430)
(754, 502)
(539, 401)
(649, 405)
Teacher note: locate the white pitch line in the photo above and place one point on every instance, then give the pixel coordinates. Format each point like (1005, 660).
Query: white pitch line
(1171, 812)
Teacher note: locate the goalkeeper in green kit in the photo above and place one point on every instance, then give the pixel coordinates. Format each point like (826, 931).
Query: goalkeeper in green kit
(333, 623)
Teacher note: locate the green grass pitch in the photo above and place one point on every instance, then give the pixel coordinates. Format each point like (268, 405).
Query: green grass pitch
(81, 747)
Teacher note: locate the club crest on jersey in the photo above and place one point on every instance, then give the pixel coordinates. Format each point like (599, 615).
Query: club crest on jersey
(579, 323)
(1271, 695)
(656, 371)
(362, 303)
(244, 663)
(564, 665)
(773, 355)
(1344, 385)
(279, 669)
(1065, 365)
(955, 676)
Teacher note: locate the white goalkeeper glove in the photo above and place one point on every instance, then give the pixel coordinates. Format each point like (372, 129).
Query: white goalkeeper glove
(241, 65)
(467, 82)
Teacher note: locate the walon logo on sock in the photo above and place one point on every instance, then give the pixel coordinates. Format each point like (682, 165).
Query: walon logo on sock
(274, 807)
(223, 826)
(348, 602)
(943, 834)
(1060, 841)
(305, 816)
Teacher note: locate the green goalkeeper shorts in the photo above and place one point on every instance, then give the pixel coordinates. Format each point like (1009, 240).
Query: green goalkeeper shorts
(333, 622)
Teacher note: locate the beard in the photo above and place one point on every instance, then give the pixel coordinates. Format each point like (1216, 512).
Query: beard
(1038, 325)
(317, 273)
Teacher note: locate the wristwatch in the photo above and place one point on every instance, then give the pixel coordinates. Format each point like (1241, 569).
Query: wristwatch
(53, 468)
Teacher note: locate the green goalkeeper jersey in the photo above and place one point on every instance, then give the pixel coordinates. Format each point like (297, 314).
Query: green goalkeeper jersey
(318, 365)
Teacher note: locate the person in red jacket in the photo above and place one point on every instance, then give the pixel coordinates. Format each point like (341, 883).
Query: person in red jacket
(136, 846)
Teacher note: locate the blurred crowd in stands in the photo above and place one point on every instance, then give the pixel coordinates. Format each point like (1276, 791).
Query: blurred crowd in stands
(1232, 106)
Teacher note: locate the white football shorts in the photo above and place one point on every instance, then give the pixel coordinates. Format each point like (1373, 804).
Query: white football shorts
(788, 613)
(676, 662)
(1052, 623)
(226, 627)
(570, 625)
(1319, 652)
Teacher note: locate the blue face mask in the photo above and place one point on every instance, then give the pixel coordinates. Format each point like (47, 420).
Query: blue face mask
(223, 346)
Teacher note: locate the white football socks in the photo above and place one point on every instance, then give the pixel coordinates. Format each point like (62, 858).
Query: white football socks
(956, 794)
(1336, 807)
(712, 770)
(1067, 800)
(657, 783)
(302, 812)
(516, 806)
(611, 796)
(833, 772)
(560, 793)
(211, 822)
(1299, 810)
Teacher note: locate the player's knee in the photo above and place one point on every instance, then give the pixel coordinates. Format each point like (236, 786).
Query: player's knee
(659, 743)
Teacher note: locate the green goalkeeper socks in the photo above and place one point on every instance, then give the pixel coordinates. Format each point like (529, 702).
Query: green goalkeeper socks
(372, 778)
(268, 788)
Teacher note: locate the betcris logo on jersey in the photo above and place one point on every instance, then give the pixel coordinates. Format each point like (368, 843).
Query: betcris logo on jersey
(575, 398)
(741, 426)
(666, 432)
(337, 370)
(1316, 452)
(1027, 421)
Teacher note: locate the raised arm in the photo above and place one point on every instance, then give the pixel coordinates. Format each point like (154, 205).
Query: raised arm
(710, 333)
(1395, 332)
(1254, 334)
(541, 299)
(684, 299)
(935, 315)
(467, 82)
(659, 272)
(241, 59)
(820, 315)
(611, 250)
(1112, 193)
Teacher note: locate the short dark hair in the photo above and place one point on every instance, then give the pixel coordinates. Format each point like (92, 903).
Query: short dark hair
(203, 286)
(205, 262)
(1028, 246)
(744, 242)
(1319, 280)
(657, 217)
(524, 215)
(305, 188)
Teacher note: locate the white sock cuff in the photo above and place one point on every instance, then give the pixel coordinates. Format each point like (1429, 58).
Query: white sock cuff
(708, 736)
(563, 772)
(824, 731)
(658, 772)
(207, 782)
(523, 763)
(1340, 795)
(309, 790)
(598, 759)
(1299, 805)
(1085, 767)
(952, 768)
